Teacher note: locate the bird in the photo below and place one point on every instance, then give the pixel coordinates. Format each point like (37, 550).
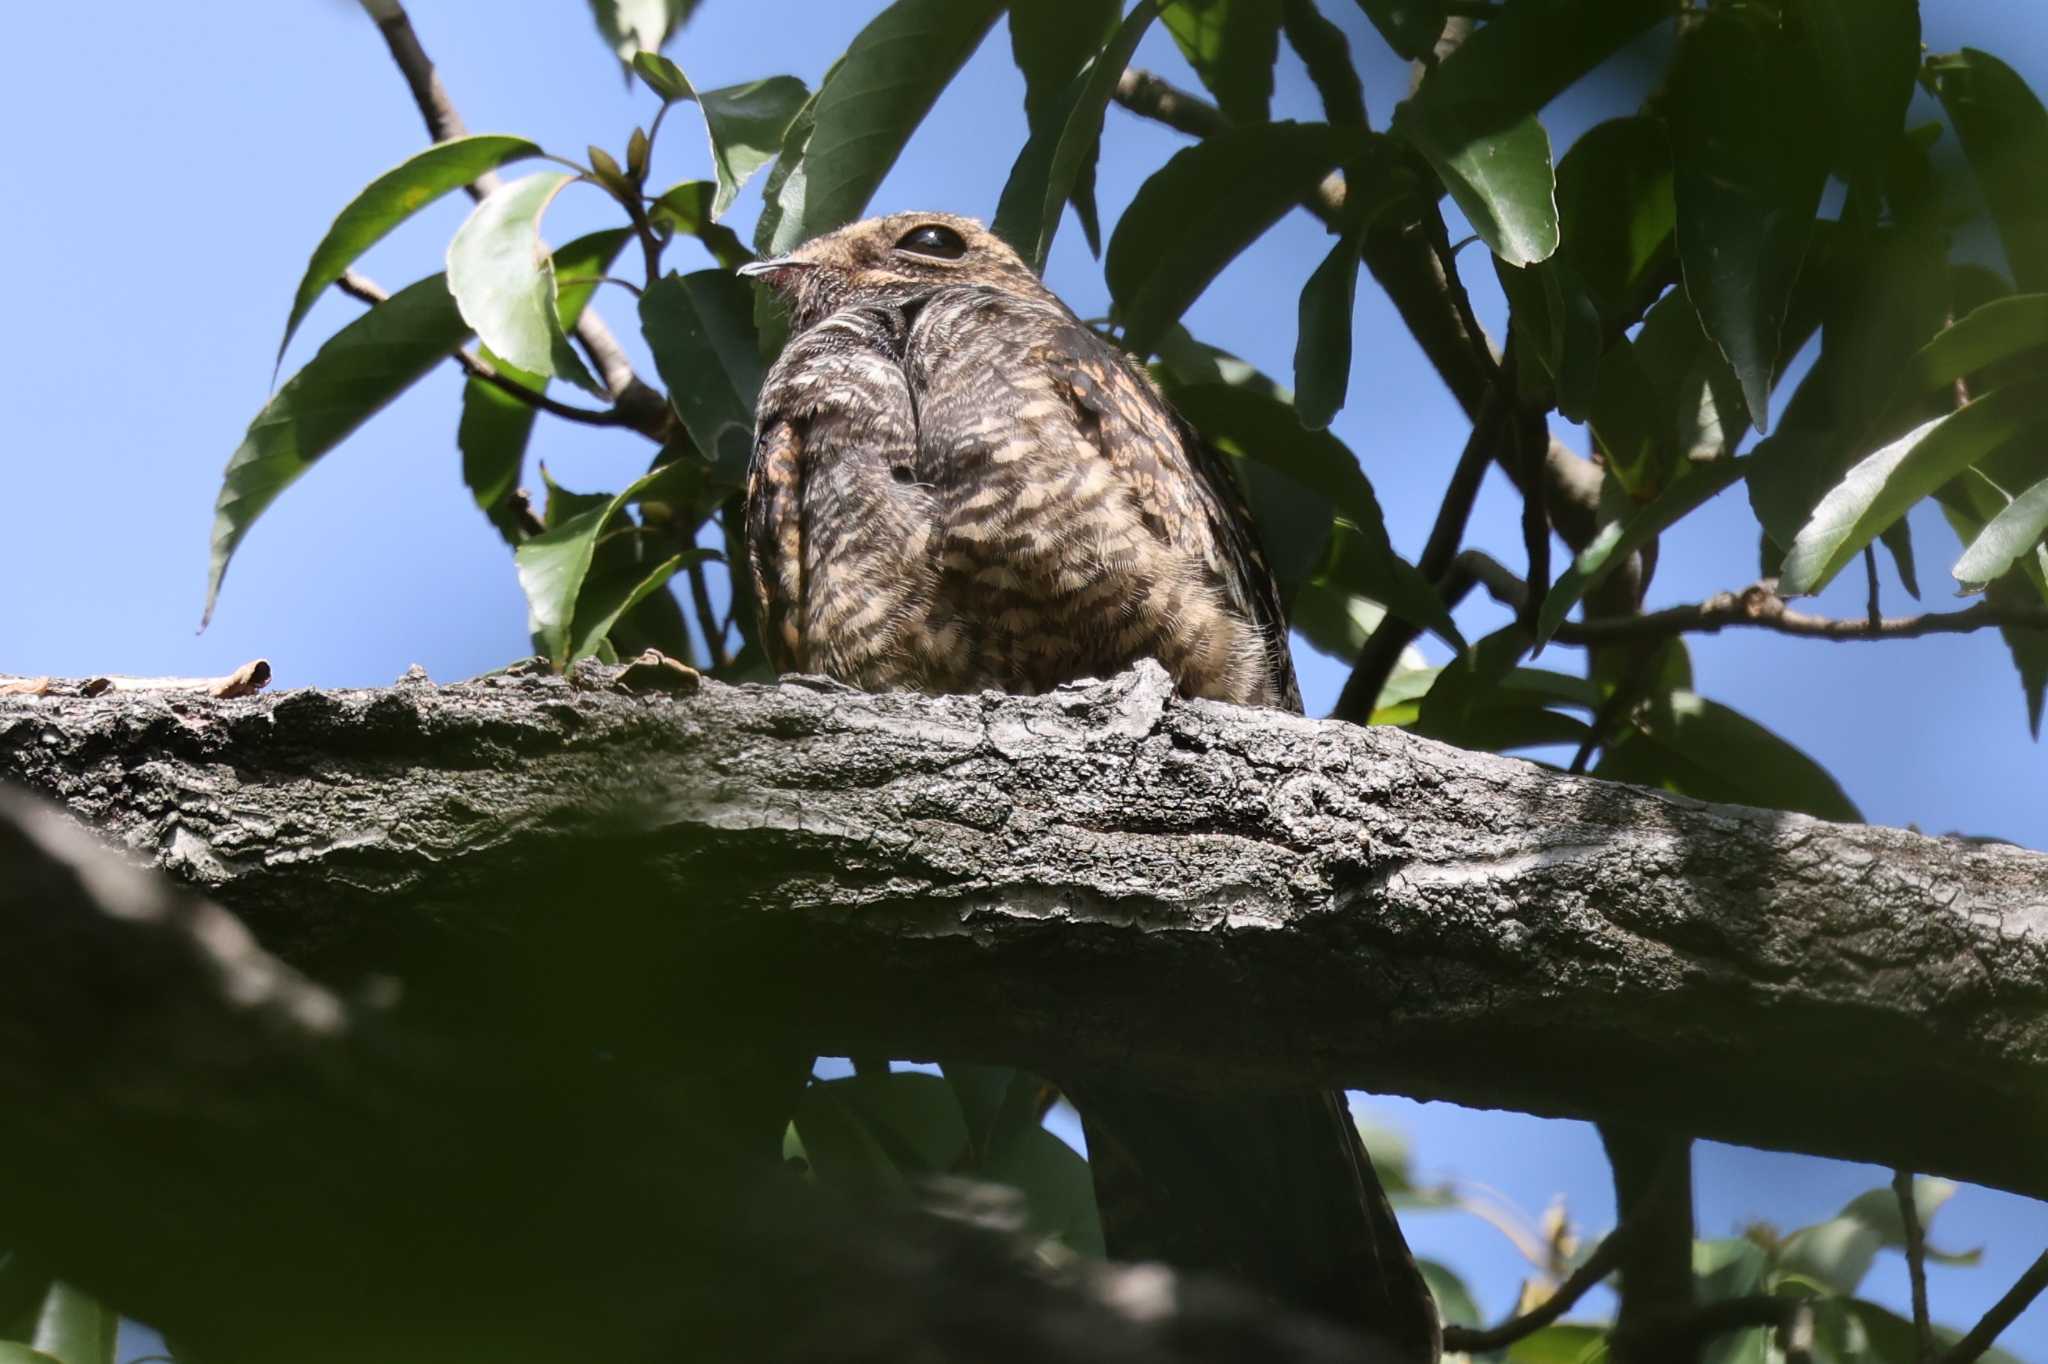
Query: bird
(957, 485)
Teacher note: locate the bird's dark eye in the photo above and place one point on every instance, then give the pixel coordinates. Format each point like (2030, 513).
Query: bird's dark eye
(933, 240)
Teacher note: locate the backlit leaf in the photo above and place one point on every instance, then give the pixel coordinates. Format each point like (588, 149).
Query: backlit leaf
(392, 198)
(2004, 132)
(700, 327)
(504, 282)
(1232, 45)
(364, 366)
(1868, 52)
(1685, 743)
(1322, 346)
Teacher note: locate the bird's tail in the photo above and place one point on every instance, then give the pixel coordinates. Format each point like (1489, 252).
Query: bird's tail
(1274, 1190)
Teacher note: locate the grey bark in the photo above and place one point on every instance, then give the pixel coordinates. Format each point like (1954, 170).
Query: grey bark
(1108, 877)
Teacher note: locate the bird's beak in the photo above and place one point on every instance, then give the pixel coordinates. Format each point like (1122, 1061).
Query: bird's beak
(768, 269)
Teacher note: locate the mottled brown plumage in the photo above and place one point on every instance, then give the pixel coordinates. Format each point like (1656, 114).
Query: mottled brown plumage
(956, 486)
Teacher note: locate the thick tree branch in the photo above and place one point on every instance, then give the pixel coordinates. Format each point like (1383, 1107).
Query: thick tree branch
(244, 1157)
(1054, 882)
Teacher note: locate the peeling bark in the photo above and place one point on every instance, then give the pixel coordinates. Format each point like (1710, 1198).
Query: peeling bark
(1107, 876)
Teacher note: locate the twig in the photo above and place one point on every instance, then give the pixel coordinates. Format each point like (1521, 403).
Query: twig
(1874, 612)
(1597, 1266)
(1916, 1259)
(1758, 606)
(369, 291)
(1531, 443)
(2024, 1290)
(1382, 649)
(646, 409)
(707, 616)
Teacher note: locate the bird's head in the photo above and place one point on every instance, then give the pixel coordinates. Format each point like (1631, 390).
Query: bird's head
(890, 261)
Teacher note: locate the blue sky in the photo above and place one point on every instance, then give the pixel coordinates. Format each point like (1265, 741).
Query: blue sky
(169, 188)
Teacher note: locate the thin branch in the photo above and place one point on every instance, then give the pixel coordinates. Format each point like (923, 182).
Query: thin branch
(2002, 1314)
(1916, 1259)
(1597, 1266)
(1874, 611)
(646, 409)
(1758, 606)
(369, 291)
(1382, 650)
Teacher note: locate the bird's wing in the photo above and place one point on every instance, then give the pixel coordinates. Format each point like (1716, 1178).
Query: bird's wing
(775, 534)
(1177, 475)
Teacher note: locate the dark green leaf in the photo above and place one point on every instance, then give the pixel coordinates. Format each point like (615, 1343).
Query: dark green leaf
(1242, 421)
(554, 565)
(700, 327)
(1566, 1343)
(1615, 211)
(1620, 538)
(74, 1328)
(15, 1352)
(662, 76)
(1058, 1189)
(633, 26)
(364, 366)
(686, 209)
(781, 225)
(745, 124)
(1180, 230)
(1064, 138)
(1685, 743)
(1892, 1338)
(1474, 117)
(1454, 1302)
(1556, 320)
(1879, 489)
(495, 425)
(839, 1147)
(2004, 131)
(1322, 346)
(869, 104)
(997, 1103)
(1985, 336)
(1482, 701)
(1337, 622)
(504, 283)
(601, 604)
(2017, 530)
(1868, 52)
(912, 1116)
(1411, 27)
(1232, 45)
(1748, 176)
(389, 200)
(2029, 649)
(1051, 41)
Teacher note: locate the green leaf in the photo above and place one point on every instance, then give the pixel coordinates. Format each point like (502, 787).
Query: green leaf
(15, 1352)
(601, 604)
(2004, 132)
(912, 1116)
(1748, 179)
(74, 1328)
(1566, 1343)
(1893, 1338)
(997, 1103)
(1322, 346)
(1051, 41)
(1064, 141)
(1879, 1210)
(745, 124)
(1474, 117)
(2013, 532)
(364, 366)
(1180, 229)
(1685, 743)
(1969, 504)
(1058, 1189)
(1454, 1302)
(554, 564)
(1502, 181)
(1263, 429)
(389, 200)
(865, 110)
(1232, 45)
(504, 283)
(662, 76)
(1481, 700)
(1615, 210)
(495, 426)
(633, 26)
(686, 209)
(1879, 489)
(839, 1146)
(1987, 335)
(1337, 622)
(1868, 52)
(1410, 27)
(1619, 538)
(700, 327)
(1555, 318)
